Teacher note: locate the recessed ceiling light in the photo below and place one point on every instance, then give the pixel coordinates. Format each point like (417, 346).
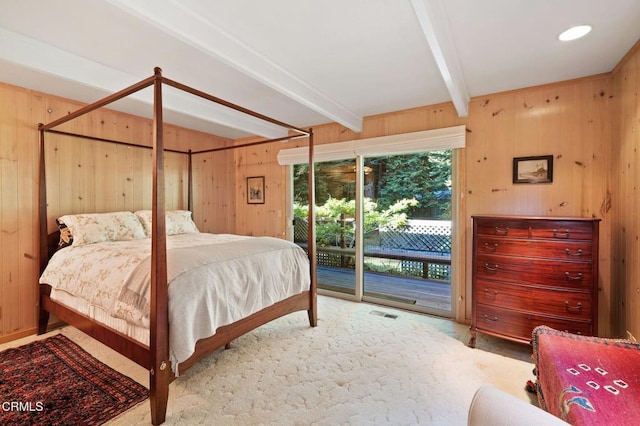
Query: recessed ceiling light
(575, 32)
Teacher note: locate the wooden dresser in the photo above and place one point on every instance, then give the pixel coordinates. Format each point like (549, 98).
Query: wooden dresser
(530, 271)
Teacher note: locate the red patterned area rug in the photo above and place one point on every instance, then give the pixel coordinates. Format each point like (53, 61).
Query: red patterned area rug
(56, 382)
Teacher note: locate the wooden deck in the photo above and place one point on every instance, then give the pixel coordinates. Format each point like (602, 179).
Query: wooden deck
(415, 291)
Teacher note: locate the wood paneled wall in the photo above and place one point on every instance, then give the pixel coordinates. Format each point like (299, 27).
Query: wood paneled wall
(85, 176)
(268, 218)
(214, 192)
(625, 176)
(20, 112)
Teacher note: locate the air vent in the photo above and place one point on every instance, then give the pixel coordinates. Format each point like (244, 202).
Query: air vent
(383, 314)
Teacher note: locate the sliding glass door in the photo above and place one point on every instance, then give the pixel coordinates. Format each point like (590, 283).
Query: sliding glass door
(335, 222)
(407, 230)
(400, 255)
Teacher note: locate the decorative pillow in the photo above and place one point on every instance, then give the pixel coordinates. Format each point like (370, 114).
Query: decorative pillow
(176, 222)
(144, 216)
(66, 239)
(88, 228)
(180, 222)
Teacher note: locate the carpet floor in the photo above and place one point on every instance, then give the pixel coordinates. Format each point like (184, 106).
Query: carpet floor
(356, 368)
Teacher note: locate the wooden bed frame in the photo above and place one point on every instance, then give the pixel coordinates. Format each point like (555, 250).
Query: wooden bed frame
(155, 357)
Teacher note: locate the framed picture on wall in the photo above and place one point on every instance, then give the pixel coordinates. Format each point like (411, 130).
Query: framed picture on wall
(255, 190)
(533, 169)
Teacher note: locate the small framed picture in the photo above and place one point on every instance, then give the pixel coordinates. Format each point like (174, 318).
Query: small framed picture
(255, 190)
(533, 169)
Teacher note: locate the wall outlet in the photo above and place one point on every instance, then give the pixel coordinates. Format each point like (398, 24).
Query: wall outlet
(630, 336)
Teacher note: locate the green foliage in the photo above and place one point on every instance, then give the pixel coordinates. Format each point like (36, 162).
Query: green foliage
(333, 179)
(334, 219)
(425, 177)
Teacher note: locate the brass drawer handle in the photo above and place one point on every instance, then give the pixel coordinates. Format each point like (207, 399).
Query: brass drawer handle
(487, 317)
(577, 253)
(501, 230)
(491, 268)
(561, 234)
(491, 247)
(570, 308)
(576, 277)
(486, 291)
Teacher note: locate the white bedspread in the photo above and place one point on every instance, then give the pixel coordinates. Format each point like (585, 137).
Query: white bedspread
(214, 280)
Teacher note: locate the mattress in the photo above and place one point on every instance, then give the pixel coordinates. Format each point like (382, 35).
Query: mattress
(214, 280)
(136, 332)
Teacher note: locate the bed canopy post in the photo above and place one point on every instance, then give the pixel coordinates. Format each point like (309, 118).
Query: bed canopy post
(42, 202)
(159, 312)
(190, 183)
(311, 239)
(43, 315)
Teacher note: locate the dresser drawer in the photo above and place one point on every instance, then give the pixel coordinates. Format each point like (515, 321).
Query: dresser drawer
(546, 229)
(518, 325)
(562, 230)
(502, 228)
(568, 250)
(543, 272)
(551, 301)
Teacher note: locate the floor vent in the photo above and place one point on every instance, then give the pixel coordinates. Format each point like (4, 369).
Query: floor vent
(383, 314)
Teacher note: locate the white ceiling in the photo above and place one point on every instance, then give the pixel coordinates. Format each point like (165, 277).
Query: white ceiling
(305, 62)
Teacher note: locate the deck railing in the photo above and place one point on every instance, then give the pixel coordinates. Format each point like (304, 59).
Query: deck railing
(421, 249)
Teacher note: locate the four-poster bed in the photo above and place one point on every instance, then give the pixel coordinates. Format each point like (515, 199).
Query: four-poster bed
(155, 355)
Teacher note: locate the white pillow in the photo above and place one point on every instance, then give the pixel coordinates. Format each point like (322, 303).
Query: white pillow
(88, 228)
(176, 222)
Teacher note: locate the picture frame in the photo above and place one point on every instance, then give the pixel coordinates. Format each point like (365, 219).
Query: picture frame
(255, 190)
(537, 169)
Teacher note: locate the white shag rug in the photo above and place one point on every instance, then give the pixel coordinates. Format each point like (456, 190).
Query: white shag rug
(355, 368)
